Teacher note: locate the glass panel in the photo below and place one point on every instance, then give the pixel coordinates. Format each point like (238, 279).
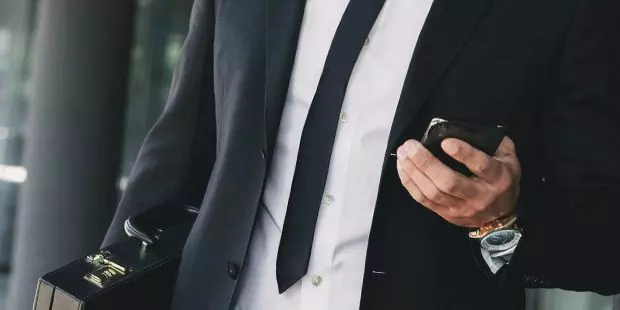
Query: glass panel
(160, 32)
(15, 36)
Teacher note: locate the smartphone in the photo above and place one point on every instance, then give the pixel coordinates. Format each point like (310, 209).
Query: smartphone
(485, 137)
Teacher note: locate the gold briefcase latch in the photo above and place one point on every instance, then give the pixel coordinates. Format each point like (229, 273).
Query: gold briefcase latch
(106, 271)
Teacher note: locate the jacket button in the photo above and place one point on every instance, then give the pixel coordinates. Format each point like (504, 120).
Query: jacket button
(263, 153)
(233, 270)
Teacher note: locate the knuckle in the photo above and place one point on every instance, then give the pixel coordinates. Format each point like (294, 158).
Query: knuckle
(503, 185)
(454, 213)
(423, 200)
(407, 183)
(448, 184)
(482, 167)
(408, 168)
(434, 194)
(423, 162)
(415, 194)
(468, 213)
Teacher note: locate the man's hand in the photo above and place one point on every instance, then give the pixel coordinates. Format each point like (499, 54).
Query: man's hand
(468, 202)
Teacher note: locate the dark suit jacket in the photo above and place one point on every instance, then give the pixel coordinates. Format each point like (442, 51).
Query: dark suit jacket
(548, 69)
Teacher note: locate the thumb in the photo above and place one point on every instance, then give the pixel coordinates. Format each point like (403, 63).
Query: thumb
(507, 153)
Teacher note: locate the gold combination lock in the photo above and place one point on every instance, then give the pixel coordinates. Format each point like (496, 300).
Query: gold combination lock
(106, 271)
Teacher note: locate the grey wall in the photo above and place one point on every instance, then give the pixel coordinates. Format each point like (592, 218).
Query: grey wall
(74, 136)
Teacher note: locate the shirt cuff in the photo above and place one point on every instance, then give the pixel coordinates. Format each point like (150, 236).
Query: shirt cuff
(496, 260)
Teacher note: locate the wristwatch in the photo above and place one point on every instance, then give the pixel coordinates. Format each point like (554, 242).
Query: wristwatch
(500, 242)
(505, 222)
(499, 238)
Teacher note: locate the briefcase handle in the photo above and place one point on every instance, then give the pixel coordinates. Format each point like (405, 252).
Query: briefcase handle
(154, 224)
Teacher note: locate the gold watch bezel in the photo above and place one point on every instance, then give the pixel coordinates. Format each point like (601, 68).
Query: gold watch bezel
(499, 224)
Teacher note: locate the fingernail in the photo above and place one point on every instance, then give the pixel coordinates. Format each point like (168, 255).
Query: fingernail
(401, 153)
(450, 147)
(411, 148)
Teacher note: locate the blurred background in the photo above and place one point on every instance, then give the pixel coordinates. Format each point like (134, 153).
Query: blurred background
(81, 83)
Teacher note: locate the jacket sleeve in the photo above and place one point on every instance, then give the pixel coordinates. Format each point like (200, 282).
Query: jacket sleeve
(570, 238)
(176, 158)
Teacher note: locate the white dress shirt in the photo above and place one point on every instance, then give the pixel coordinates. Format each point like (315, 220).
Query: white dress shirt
(336, 267)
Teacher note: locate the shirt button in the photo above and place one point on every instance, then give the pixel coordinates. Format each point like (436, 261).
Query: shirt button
(367, 41)
(317, 280)
(329, 199)
(344, 117)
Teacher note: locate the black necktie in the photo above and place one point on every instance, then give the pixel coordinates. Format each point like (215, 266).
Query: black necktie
(317, 141)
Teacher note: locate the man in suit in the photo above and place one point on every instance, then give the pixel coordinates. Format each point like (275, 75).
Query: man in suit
(280, 124)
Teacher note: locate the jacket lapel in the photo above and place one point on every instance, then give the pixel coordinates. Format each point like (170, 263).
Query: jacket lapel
(282, 33)
(447, 29)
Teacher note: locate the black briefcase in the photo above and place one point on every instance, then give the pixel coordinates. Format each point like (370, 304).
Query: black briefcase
(139, 273)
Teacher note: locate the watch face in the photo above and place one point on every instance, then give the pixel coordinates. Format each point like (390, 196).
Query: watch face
(501, 240)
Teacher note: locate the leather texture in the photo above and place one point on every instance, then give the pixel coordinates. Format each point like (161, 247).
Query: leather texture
(150, 263)
(157, 223)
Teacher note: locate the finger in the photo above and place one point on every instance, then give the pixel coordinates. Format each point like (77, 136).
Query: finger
(451, 215)
(416, 193)
(428, 188)
(478, 162)
(507, 153)
(506, 148)
(443, 177)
